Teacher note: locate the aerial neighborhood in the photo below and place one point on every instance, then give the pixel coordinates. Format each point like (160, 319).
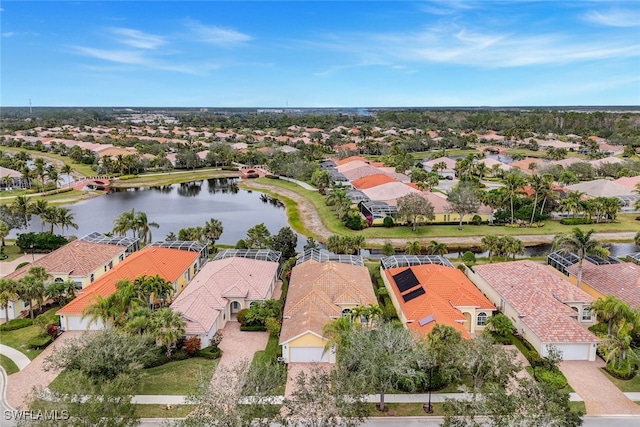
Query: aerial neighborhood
(222, 266)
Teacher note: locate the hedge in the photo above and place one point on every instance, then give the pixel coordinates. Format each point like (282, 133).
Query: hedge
(40, 341)
(627, 372)
(211, 352)
(40, 242)
(14, 324)
(253, 328)
(576, 221)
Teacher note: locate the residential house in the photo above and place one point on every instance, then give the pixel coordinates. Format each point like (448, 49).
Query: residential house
(622, 280)
(449, 170)
(174, 265)
(431, 291)
(79, 261)
(322, 287)
(224, 286)
(545, 308)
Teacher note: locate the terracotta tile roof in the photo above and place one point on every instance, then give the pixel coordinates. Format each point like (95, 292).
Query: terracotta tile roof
(78, 258)
(524, 164)
(351, 159)
(350, 165)
(202, 301)
(628, 181)
(619, 280)
(372, 181)
(446, 289)
(169, 264)
(540, 297)
(315, 292)
(389, 192)
(451, 164)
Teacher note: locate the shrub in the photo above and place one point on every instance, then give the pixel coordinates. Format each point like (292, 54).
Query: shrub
(534, 358)
(253, 328)
(389, 312)
(242, 316)
(192, 345)
(22, 264)
(576, 221)
(217, 338)
(273, 325)
(230, 168)
(53, 330)
(354, 223)
(469, 257)
(211, 352)
(272, 176)
(14, 324)
(476, 220)
(388, 222)
(626, 372)
(554, 378)
(157, 357)
(180, 355)
(40, 341)
(40, 242)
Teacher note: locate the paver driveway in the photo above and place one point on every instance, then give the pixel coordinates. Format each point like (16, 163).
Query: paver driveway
(21, 384)
(237, 345)
(601, 396)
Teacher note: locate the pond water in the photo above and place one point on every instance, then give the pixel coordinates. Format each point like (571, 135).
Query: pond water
(180, 206)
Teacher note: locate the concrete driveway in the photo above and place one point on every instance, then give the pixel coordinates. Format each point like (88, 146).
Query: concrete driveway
(601, 396)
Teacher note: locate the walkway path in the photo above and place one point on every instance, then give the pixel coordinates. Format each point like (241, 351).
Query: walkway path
(7, 267)
(21, 384)
(601, 396)
(5, 407)
(18, 357)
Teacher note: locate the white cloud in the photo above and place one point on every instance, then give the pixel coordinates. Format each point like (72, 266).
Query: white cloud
(120, 56)
(8, 34)
(217, 35)
(614, 18)
(138, 39)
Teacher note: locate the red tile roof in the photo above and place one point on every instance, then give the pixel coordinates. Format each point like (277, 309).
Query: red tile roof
(446, 289)
(372, 181)
(540, 296)
(619, 280)
(169, 264)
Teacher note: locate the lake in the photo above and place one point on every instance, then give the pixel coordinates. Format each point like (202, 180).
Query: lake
(179, 206)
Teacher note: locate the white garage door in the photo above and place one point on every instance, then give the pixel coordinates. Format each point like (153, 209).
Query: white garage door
(308, 354)
(574, 351)
(77, 323)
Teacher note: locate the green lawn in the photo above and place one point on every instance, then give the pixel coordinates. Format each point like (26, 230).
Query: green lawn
(8, 365)
(178, 378)
(269, 355)
(174, 177)
(632, 385)
(19, 338)
(13, 251)
(82, 168)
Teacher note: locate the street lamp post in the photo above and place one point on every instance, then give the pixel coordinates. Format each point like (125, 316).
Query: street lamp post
(32, 256)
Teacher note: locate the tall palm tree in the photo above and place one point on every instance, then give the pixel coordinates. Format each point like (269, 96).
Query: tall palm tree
(582, 245)
(64, 218)
(31, 289)
(513, 183)
(436, 248)
(490, 243)
(137, 321)
(513, 247)
(21, 205)
(8, 292)
(413, 248)
(103, 309)
(212, 230)
(142, 225)
(160, 288)
(572, 203)
(40, 207)
(337, 332)
(166, 326)
(4, 232)
(125, 222)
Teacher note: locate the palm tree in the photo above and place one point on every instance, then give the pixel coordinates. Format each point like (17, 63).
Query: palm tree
(4, 232)
(31, 289)
(368, 314)
(572, 203)
(212, 230)
(137, 321)
(143, 226)
(125, 222)
(166, 326)
(581, 244)
(103, 309)
(40, 207)
(611, 310)
(8, 292)
(337, 332)
(490, 243)
(160, 288)
(413, 248)
(513, 247)
(64, 218)
(21, 205)
(436, 248)
(637, 239)
(513, 183)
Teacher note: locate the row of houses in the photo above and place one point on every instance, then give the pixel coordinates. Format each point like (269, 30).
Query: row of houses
(544, 305)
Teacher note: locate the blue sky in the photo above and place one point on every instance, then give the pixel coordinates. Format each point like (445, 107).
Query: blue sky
(319, 54)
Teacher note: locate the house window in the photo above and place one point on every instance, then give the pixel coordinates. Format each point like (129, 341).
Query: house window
(92, 278)
(105, 268)
(121, 257)
(346, 312)
(482, 319)
(110, 265)
(58, 280)
(586, 314)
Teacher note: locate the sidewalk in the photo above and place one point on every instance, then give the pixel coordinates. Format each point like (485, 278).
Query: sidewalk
(17, 356)
(7, 267)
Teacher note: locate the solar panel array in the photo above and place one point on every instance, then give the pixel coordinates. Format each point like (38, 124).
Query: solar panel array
(406, 280)
(414, 294)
